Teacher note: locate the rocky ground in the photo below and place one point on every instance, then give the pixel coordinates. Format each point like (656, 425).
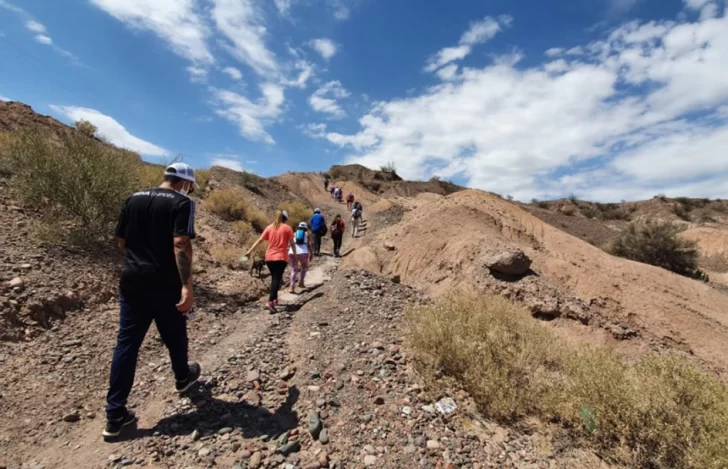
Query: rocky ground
(325, 383)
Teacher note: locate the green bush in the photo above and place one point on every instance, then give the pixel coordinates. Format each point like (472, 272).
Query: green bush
(658, 244)
(75, 179)
(659, 412)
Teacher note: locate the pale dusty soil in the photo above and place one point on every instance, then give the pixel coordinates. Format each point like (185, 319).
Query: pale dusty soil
(442, 241)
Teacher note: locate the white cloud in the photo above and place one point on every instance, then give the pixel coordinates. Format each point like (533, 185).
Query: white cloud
(314, 130)
(448, 72)
(619, 121)
(175, 21)
(4, 98)
(479, 32)
(305, 72)
(35, 27)
(251, 117)
(326, 47)
(43, 39)
(284, 6)
(233, 72)
(229, 163)
(696, 4)
(111, 130)
(554, 52)
(197, 74)
(241, 22)
(341, 11)
(325, 99)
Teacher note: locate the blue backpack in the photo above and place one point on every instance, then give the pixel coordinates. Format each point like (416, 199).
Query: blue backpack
(300, 236)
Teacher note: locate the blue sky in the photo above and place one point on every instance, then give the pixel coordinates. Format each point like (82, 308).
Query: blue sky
(606, 99)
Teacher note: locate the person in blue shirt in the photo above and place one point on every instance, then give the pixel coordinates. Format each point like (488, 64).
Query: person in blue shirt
(318, 228)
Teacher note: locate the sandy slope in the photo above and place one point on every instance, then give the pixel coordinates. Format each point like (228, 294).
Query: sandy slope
(442, 241)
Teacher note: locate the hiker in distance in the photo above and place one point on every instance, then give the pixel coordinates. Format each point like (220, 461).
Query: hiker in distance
(350, 201)
(299, 261)
(318, 228)
(337, 234)
(326, 183)
(355, 221)
(155, 232)
(280, 240)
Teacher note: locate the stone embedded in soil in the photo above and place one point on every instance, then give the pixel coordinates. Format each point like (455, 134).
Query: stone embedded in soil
(290, 448)
(509, 262)
(252, 376)
(225, 431)
(71, 417)
(17, 282)
(314, 424)
(433, 444)
(324, 437)
(370, 460)
(204, 451)
(255, 459)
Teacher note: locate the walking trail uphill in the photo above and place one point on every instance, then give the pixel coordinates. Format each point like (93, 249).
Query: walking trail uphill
(324, 383)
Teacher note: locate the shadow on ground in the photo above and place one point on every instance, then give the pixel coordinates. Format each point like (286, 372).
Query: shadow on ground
(211, 414)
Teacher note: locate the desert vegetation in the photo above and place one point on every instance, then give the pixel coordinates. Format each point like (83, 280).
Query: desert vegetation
(233, 205)
(657, 412)
(658, 244)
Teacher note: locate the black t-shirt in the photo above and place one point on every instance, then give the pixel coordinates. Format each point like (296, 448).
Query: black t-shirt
(149, 221)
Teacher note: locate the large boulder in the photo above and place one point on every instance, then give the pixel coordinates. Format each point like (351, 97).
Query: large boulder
(510, 262)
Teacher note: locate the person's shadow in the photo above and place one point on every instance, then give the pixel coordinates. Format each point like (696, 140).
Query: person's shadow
(213, 414)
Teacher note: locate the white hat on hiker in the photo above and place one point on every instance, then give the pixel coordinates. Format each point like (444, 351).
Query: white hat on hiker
(182, 171)
(303, 225)
(317, 210)
(285, 214)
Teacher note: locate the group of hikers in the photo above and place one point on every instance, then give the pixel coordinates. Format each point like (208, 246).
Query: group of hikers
(155, 231)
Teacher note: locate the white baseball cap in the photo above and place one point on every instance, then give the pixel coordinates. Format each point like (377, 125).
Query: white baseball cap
(303, 225)
(285, 214)
(182, 171)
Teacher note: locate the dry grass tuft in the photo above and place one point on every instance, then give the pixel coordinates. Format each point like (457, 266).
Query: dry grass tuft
(297, 212)
(661, 412)
(227, 254)
(232, 205)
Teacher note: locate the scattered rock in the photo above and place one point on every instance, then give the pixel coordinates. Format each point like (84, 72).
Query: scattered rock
(225, 431)
(255, 459)
(314, 424)
(253, 376)
(370, 460)
(324, 437)
(290, 448)
(72, 417)
(509, 262)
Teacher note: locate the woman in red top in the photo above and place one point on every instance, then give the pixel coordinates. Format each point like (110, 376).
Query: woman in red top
(280, 239)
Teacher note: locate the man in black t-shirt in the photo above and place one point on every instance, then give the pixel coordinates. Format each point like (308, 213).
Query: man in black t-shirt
(155, 231)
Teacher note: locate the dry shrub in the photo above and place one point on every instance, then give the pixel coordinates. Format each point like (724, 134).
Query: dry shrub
(297, 212)
(227, 254)
(660, 412)
(150, 175)
(232, 205)
(246, 235)
(202, 177)
(500, 354)
(658, 244)
(86, 128)
(77, 179)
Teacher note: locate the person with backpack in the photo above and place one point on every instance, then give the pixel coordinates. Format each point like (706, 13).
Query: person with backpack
(332, 190)
(358, 206)
(299, 260)
(349, 200)
(337, 234)
(355, 221)
(339, 194)
(326, 183)
(318, 228)
(280, 240)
